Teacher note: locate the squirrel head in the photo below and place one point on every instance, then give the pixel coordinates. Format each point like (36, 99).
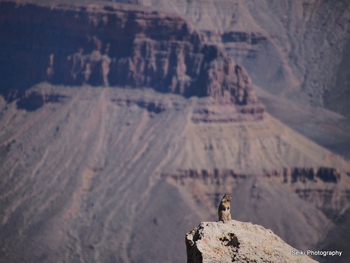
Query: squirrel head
(226, 197)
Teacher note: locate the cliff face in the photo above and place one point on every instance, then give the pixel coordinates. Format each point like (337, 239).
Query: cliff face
(296, 50)
(74, 157)
(319, 186)
(293, 48)
(111, 45)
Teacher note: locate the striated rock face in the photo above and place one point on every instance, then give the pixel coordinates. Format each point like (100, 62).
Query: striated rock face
(210, 111)
(150, 106)
(236, 241)
(245, 37)
(293, 175)
(112, 45)
(294, 48)
(318, 186)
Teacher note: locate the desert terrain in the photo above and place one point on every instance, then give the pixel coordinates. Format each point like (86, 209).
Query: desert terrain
(123, 123)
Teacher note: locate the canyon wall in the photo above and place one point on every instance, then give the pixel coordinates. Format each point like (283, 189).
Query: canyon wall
(319, 186)
(76, 153)
(293, 48)
(110, 46)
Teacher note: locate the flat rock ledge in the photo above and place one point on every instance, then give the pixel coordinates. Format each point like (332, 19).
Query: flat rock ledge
(236, 241)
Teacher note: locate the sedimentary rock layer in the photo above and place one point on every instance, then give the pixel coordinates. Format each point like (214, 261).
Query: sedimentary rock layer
(114, 45)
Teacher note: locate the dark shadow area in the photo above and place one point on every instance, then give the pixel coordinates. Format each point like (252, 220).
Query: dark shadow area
(34, 100)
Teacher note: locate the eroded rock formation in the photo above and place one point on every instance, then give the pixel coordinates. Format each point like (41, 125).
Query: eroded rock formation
(34, 100)
(292, 175)
(318, 186)
(111, 45)
(236, 241)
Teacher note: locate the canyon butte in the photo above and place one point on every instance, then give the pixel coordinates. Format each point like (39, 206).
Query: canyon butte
(123, 123)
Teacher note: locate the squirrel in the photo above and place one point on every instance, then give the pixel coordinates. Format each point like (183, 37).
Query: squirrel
(224, 208)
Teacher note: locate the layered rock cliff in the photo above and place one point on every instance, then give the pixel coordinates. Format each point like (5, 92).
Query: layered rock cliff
(74, 157)
(323, 187)
(297, 50)
(113, 45)
(294, 48)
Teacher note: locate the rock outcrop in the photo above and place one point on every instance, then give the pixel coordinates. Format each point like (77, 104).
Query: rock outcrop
(293, 175)
(32, 100)
(118, 46)
(237, 241)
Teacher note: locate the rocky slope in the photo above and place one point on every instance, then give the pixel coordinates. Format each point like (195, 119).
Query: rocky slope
(93, 173)
(296, 50)
(338, 238)
(235, 241)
